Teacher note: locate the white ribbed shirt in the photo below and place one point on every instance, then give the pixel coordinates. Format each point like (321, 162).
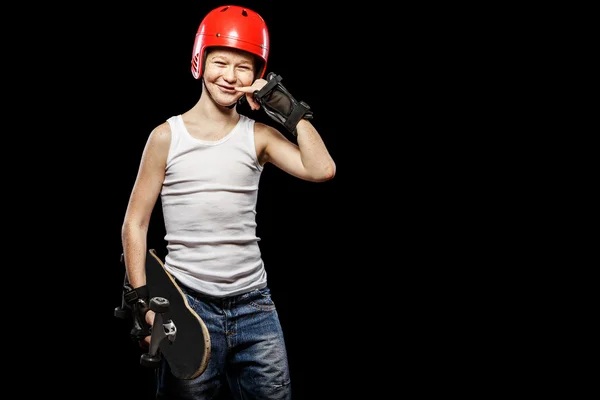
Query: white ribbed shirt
(209, 207)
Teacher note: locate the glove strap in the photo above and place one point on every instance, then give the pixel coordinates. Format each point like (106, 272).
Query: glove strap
(137, 300)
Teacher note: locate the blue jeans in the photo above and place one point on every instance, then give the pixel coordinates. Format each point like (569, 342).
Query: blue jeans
(248, 352)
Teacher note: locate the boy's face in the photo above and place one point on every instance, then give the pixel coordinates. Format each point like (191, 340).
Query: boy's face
(224, 69)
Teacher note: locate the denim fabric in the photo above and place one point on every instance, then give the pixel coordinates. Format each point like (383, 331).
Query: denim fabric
(247, 351)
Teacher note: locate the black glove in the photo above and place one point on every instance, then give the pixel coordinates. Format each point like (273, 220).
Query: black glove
(280, 105)
(137, 300)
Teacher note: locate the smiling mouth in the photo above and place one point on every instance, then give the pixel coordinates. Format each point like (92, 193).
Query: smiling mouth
(227, 89)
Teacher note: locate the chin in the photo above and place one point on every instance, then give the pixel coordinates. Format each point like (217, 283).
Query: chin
(227, 101)
(224, 99)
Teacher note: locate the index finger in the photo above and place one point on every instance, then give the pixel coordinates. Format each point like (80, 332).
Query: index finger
(245, 89)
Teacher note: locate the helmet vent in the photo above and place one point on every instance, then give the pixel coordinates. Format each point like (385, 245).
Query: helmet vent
(244, 12)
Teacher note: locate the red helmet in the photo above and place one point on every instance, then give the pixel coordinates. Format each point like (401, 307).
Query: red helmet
(231, 26)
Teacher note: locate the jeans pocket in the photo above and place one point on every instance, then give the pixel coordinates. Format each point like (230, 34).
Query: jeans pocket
(261, 299)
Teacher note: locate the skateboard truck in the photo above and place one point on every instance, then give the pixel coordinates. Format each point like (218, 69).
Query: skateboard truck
(162, 328)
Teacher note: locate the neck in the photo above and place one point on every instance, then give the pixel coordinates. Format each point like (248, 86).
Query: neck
(208, 108)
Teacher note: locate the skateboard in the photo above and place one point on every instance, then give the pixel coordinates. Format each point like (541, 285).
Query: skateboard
(178, 333)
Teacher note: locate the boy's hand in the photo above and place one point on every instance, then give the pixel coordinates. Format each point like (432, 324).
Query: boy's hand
(250, 90)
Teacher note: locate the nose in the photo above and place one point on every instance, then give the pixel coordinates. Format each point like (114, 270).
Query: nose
(229, 74)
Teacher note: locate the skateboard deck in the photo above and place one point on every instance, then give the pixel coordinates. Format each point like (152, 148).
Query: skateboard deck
(189, 351)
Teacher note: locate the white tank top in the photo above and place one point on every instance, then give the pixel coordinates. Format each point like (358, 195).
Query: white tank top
(209, 206)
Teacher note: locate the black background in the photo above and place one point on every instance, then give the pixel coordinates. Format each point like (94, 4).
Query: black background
(365, 269)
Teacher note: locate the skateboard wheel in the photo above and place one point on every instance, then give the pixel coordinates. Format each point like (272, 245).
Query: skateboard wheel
(159, 304)
(150, 361)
